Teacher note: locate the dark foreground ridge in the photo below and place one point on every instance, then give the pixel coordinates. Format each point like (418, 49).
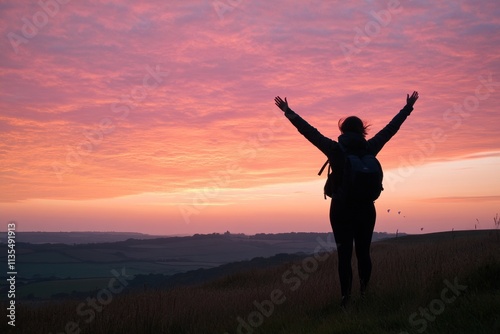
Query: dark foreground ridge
(437, 283)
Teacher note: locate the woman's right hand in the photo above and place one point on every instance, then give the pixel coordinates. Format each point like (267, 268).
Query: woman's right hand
(410, 100)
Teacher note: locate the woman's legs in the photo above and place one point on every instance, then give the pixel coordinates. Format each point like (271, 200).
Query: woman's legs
(344, 239)
(344, 236)
(363, 238)
(353, 222)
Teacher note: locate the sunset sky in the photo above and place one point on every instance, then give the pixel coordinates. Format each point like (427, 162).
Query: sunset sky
(158, 116)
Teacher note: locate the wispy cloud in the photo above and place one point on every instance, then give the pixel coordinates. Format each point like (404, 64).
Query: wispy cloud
(463, 199)
(223, 75)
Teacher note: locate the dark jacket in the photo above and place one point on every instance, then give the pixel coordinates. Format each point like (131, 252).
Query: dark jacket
(350, 141)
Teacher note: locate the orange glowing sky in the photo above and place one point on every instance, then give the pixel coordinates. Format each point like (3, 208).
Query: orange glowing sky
(159, 117)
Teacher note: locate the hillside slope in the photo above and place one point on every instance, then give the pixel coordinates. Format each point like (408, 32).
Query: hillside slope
(439, 283)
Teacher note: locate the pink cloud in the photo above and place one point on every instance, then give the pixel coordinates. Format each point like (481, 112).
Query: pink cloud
(223, 76)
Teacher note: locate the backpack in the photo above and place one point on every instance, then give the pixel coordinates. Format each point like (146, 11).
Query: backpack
(361, 177)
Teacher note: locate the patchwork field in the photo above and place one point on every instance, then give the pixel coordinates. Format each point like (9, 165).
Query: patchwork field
(46, 269)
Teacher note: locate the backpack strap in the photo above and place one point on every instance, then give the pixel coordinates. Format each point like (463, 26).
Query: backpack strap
(323, 167)
(330, 170)
(327, 161)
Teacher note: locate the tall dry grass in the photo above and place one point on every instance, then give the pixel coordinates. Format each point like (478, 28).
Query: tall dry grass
(407, 273)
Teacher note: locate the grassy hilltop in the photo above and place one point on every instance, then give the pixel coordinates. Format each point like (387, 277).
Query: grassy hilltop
(435, 283)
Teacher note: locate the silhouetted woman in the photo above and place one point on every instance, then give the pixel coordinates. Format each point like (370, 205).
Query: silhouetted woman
(351, 220)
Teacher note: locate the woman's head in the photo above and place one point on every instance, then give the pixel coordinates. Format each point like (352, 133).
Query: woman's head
(353, 124)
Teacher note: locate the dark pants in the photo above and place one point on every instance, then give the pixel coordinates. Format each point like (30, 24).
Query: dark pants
(353, 222)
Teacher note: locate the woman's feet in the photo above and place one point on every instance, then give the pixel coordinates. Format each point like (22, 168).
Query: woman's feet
(344, 301)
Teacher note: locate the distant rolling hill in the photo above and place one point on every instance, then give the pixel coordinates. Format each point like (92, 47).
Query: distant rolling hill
(48, 268)
(71, 238)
